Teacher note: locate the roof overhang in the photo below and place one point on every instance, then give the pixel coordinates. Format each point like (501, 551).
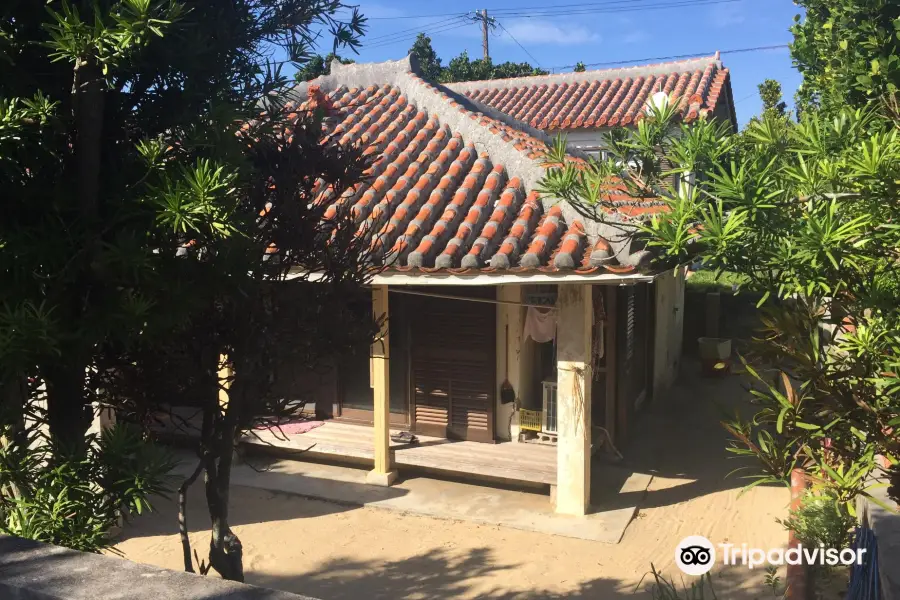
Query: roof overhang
(527, 278)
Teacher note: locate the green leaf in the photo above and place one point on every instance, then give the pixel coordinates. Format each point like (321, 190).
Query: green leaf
(779, 425)
(807, 426)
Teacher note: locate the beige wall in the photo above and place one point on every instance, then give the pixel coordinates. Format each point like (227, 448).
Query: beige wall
(669, 329)
(509, 318)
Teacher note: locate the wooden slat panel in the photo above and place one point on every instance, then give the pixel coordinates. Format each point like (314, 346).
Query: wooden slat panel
(453, 368)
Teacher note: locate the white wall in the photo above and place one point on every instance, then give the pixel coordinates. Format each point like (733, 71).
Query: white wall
(509, 318)
(581, 139)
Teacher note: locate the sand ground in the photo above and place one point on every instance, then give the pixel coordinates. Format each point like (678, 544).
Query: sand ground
(337, 552)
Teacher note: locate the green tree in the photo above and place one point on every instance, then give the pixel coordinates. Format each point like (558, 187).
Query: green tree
(429, 63)
(804, 211)
(319, 65)
(462, 68)
(848, 52)
(770, 94)
(579, 67)
(118, 154)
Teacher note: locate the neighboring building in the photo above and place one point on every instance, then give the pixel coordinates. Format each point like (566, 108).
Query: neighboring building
(470, 248)
(583, 105)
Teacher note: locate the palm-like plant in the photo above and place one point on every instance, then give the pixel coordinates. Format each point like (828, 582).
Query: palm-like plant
(808, 212)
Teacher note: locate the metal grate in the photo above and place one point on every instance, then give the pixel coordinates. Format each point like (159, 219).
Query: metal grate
(548, 418)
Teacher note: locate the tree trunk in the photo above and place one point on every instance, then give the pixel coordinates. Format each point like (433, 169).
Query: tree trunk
(88, 89)
(13, 398)
(225, 550)
(182, 517)
(68, 413)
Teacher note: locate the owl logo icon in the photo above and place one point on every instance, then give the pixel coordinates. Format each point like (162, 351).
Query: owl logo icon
(695, 555)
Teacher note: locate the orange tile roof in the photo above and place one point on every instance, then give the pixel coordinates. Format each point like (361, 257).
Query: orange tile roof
(452, 189)
(607, 98)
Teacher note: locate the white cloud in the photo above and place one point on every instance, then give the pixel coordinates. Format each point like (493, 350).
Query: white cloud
(543, 32)
(724, 15)
(636, 37)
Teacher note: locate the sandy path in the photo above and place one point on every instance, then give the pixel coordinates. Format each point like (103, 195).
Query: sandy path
(334, 552)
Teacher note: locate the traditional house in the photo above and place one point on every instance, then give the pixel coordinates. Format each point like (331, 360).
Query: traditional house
(487, 285)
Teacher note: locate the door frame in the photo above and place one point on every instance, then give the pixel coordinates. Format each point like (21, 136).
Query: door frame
(447, 431)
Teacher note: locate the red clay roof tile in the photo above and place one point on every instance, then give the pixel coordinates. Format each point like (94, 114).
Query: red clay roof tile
(432, 200)
(614, 97)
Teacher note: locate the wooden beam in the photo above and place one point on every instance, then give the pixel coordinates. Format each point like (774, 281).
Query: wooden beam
(383, 472)
(611, 366)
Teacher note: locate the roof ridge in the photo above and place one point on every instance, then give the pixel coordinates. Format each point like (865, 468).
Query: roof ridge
(356, 75)
(512, 144)
(572, 76)
(496, 136)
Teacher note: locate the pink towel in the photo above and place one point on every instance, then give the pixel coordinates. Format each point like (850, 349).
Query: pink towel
(293, 427)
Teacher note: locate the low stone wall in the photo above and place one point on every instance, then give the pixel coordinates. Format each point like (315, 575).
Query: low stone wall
(34, 571)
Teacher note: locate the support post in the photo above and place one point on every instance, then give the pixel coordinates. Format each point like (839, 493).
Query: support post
(573, 453)
(611, 408)
(383, 472)
(484, 34)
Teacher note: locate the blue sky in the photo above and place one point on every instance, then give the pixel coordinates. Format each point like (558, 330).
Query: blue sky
(602, 31)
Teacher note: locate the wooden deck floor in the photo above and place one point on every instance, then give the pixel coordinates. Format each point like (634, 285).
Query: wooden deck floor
(529, 463)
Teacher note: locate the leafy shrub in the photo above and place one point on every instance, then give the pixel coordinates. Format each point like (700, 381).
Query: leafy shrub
(821, 519)
(700, 589)
(74, 500)
(709, 280)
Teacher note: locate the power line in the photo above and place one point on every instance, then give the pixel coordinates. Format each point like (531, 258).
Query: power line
(456, 14)
(408, 38)
(582, 5)
(417, 29)
(400, 36)
(517, 42)
(553, 13)
(607, 7)
(675, 57)
(580, 8)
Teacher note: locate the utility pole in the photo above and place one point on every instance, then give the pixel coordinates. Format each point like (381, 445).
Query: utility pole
(484, 34)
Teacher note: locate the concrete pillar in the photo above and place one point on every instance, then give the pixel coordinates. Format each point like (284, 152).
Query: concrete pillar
(574, 331)
(383, 472)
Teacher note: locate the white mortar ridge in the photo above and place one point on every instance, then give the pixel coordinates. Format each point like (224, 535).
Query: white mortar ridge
(692, 64)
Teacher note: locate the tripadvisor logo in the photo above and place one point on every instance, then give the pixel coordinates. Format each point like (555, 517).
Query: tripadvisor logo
(695, 555)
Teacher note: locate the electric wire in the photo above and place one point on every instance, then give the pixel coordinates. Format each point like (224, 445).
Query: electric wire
(518, 43)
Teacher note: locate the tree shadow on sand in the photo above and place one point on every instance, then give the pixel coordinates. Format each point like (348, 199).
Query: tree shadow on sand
(441, 574)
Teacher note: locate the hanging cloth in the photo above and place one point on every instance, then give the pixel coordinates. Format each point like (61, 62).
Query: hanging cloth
(540, 325)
